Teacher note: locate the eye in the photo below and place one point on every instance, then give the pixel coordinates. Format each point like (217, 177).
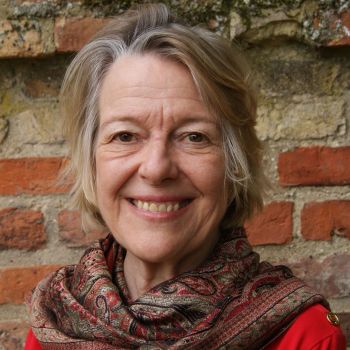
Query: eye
(124, 137)
(196, 137)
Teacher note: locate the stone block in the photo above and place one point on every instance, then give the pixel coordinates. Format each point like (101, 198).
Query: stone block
(34, 127)
(275, 30)
(37, 88)
(13, 334)
(279, 73)
(338, 27)
(26, 38)
(42, 78)
(345, 325)
(4, 127)
(303, 118)
(326, 24)
(330, 277)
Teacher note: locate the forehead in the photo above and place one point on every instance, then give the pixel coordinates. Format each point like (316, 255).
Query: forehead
(133, 79)
(151, 71)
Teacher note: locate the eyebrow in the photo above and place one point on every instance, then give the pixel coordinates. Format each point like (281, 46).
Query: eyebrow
(200, 118)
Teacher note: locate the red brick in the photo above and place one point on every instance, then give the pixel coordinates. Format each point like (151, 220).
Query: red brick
(330, 277)
(315, 166)
(70, 230)
(17, 282)
(21, 228)
(274, 225)
(71, 34)
(319, 220)
(31, 176)
(13, 334)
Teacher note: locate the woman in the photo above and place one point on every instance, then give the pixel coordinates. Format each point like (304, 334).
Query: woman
(160, 119)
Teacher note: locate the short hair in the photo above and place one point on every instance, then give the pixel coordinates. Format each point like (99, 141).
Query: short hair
(220, 75)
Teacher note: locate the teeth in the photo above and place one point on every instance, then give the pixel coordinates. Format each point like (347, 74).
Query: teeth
(156, 207)
(153, 207)
(162, 207)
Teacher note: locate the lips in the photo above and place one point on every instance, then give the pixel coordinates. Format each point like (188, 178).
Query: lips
(161, 207)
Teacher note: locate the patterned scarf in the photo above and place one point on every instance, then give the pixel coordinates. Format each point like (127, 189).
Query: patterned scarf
(231, 301)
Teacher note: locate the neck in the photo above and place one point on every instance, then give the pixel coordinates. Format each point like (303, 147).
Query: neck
(142, 275)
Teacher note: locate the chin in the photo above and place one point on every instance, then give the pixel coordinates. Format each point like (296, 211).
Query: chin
(155, 254)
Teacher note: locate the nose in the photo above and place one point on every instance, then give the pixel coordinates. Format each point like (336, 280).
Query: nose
(158, 164)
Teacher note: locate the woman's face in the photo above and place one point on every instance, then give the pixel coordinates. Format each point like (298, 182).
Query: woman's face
(159, 161)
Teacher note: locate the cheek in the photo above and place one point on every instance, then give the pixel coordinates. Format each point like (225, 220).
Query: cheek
(217, 186)
(102, 176)
(209, 176)
(109, 178)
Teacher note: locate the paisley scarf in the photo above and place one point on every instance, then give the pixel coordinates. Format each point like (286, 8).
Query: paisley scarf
(231, 301)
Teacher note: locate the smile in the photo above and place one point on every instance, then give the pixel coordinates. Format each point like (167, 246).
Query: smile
(163, 207)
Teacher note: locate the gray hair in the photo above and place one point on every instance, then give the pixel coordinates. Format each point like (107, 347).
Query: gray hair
(222, 79)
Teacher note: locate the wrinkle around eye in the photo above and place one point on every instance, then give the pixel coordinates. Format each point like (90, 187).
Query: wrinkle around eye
(111, 150)
(109, 144)
(197, 148)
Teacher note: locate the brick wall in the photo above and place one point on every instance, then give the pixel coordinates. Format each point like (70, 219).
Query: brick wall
(301, 58)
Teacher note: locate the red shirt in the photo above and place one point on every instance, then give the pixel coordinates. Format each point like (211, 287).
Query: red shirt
(311, 330)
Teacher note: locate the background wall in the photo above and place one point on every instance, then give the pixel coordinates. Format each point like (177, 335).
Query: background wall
(300, 52)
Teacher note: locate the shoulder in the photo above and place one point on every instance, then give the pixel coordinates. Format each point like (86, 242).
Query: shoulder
(31, 342)
(311, 330)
